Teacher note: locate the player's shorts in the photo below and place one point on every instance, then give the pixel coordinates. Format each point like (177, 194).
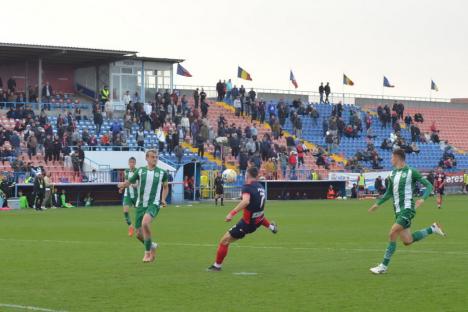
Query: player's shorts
(361, 187)
(404, 217)
(219, 191)
(128, 201)
(140, 212)
(440, 191)
(241, 229)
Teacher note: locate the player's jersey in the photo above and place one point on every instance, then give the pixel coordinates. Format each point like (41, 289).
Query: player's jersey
(130, 191)
(218, 183)
(149, 188)
(401, 186)
(253, 213)
(439, 180)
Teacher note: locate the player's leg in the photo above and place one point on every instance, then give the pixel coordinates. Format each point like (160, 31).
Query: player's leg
(439, 199)
(410, 238)
(139, 214)
(139, 235)
(146, 228)
(393, 236)
(222, 251)
(128, 220)
(270, 225)
(222, 199)
(216, 199)
(150, 246)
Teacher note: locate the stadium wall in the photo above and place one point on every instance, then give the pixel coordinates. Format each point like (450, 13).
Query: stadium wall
(60, 76)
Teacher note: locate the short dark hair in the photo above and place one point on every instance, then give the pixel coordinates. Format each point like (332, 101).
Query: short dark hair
(151, 151)
(253, 172)
(400, 153)
(132, 158)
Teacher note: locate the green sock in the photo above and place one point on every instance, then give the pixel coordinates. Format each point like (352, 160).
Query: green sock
(418, 235)
(148, 244)
(388, 253)
(127, 218)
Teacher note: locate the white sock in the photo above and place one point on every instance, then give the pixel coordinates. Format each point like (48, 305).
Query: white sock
(271, 227)
(217, 265)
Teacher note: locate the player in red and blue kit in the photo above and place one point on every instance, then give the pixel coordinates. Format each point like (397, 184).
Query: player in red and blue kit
(252, 204)
(439, 185)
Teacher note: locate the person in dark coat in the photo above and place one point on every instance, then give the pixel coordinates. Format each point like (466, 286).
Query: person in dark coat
(39, 191)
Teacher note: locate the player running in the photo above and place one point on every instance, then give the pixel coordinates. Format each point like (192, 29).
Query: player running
(400, 188)
(130, 193)
(439, 185)
(151, 180)
(219, 189)
(252, 203)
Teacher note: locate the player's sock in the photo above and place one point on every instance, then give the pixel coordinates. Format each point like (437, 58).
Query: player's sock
(389, 253)
(421, 234)
(216, 201)
(148, 243)
(266, 223)
(127, 218)
(222, 201)
(221, 254)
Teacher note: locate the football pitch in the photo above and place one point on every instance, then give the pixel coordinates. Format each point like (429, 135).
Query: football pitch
(82, 260)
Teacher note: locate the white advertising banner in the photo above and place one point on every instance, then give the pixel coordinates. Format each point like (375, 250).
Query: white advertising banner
(352, 177)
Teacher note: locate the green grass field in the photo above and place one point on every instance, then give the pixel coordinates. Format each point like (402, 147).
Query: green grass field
(82, 260)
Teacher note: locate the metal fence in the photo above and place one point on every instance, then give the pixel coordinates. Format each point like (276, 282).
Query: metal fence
(47, 105)
(314, 96)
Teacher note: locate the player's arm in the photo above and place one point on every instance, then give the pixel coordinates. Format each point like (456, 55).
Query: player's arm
(133, 179)
(165, 190)
(388, 194)
(243, 203)
(418, 177)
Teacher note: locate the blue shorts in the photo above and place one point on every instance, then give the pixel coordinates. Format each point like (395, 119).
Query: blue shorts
(241, 229)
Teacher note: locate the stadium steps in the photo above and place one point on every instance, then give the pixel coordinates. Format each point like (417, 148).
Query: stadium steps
(229, 113)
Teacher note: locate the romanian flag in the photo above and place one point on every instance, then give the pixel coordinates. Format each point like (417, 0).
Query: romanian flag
(387, 83)
(293, 80)
(434, 86)
(182, 71)
(347, 81)
(243, 74)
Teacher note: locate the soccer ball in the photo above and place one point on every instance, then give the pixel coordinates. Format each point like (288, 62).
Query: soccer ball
(229, 176)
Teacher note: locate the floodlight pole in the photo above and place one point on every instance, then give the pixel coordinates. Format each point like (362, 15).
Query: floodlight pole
(26, 80)
(142, 86)
(39, 82)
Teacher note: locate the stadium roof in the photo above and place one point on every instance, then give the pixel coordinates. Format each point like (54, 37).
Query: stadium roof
(14, 52)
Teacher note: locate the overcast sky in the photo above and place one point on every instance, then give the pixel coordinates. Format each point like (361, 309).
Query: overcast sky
(409, 41)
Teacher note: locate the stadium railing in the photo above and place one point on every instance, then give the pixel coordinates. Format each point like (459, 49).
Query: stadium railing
(314, 96)
(46, 105)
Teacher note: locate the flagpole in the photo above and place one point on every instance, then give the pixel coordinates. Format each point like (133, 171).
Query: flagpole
(430, 93)
(342, 90)
(383, 90)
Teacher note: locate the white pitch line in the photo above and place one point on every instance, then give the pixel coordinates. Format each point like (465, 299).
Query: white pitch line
(245, 273)
(16, 306)
(459, 253)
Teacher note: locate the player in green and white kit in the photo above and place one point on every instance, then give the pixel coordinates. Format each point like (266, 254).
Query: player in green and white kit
(129, 199)
(149, 199)
(400, 188)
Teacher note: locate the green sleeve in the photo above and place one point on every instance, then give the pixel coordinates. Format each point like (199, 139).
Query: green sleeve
(165, 177)
(388, 193)
(418, 177)
(134, 178)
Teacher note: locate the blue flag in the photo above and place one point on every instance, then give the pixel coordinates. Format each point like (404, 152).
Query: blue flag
(182, 71)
